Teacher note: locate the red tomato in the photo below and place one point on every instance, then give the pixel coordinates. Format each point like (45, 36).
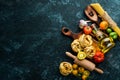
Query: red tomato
(87, 29)
(98, 57)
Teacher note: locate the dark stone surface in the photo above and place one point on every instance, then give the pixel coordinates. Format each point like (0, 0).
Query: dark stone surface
(31, 43)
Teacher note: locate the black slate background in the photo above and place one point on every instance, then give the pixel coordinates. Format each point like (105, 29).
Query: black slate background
(31, 43)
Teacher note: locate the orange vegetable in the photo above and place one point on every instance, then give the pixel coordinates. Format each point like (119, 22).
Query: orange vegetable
(75, 66)
(103, 25)
(75, 72)
(84, 77)
(81, 69)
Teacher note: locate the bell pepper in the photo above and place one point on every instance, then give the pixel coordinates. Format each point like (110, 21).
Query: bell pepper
(98, 57)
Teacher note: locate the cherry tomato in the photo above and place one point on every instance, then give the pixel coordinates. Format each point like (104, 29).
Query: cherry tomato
(86, 72)
(103, 25)
(84, 77)
(98, 57)
(81, 69)
(87, 29)
(75, 72)
(75, 66)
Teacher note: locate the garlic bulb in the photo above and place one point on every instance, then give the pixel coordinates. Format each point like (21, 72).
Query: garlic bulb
(82, 23)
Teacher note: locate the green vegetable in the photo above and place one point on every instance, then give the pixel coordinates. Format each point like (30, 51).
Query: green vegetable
(113, 35)
(109, 30)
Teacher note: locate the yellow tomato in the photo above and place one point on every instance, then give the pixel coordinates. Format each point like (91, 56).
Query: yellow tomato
(84, 77)
(86, 72)
(75, 72)
(103, 25)
(81, 69)
(75, 66)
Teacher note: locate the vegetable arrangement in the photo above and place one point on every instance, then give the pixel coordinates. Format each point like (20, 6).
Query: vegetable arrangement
(91, 44)
(80, 71)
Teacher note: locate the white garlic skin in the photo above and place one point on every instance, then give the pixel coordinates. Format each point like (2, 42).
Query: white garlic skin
(82, 23)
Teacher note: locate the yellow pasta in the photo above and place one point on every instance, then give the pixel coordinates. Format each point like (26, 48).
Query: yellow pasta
(98, 8)
(104, 15)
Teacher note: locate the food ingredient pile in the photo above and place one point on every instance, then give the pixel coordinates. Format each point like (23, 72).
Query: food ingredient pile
(97, 37)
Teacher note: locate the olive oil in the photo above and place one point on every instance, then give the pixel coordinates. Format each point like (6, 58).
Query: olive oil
(105, 42)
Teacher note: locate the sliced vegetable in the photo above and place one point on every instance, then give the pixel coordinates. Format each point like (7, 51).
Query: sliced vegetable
(98, 57)
(81, 55)
(87, 29)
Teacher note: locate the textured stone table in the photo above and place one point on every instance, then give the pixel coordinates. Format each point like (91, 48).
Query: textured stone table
(31, 43)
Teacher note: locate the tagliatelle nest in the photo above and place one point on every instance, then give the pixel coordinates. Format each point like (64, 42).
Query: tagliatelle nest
(65, 68)
(84, 43)
(75, 45)
(90, 51)
(85, 40)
